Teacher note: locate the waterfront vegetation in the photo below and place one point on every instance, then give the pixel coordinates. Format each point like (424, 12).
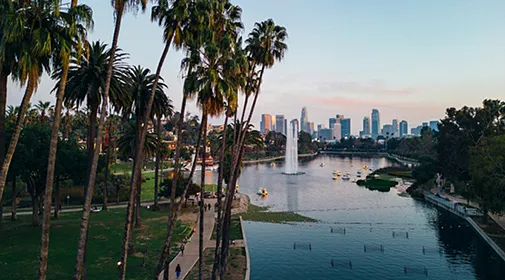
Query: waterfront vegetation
(20, 240)
(236, 265)
(261, 214)
(235, 229)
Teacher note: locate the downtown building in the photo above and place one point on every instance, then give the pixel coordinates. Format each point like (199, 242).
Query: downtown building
(266, 123)
(375, 123)
(304, 120)
(404, 128)
(280, 124)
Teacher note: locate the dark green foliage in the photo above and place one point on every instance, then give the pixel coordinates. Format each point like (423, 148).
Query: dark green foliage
(166, 187)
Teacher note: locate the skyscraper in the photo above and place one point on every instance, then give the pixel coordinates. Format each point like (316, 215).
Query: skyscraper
(285, 126)
(404, 128)
(345, 126)
(395, 127)
(311, 128)
(320, 126)
(387, 131)
(434, 125)
(279, 124)
(266, 123)
(295, 125)
(336, 132)
(366, 126)
(304, 120)
(332, 122)
(375, 123)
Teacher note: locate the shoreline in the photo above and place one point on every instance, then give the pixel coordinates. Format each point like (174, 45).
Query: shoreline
(276, 158)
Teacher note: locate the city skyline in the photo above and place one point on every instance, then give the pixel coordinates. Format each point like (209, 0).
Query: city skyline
(394, 56)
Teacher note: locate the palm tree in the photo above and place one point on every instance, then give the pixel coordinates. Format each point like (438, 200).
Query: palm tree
(71, 32)
(86, 81)
(140, 86)
(265, 45)
(120, 6)
(43, 108)
(21, 29)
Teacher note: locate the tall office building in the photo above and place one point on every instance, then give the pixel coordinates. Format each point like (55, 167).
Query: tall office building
(434, 125)
(425, 124)
(304, 120)
(310, 128)
(332, 122)
(345, 126)
(279, 124)
(366, 126)
(320, 126)
(395, 128)
(285, 126)
(387, 131)
(266, 123)
(336, 132)
(325, 134)
(295, 125)
(404, 128)
(375, 123)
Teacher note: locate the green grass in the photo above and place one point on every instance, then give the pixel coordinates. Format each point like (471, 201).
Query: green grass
(235, 229)
(148, 187)
(260, 214)
(20, 245)
(236, 265)
(126, 167)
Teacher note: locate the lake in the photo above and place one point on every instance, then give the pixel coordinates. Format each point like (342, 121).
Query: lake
(362, 234)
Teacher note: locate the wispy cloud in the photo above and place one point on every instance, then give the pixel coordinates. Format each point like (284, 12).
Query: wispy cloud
(373, 87)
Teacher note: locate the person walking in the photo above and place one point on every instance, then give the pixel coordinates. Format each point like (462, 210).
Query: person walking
(182, 249)
(178, 271)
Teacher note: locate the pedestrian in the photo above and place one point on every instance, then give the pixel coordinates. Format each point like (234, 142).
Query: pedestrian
(182, 249)
(209, 206)
(178, 271)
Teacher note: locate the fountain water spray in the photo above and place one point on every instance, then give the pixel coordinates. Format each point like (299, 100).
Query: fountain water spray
(291, 152)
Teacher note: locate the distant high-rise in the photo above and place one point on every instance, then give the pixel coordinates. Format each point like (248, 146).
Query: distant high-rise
(387, 131)
(332, 122)
(295, 125)
(266, 123)
(320, 126)
(345, 127)
(375, 123)
(434, 125)
(366, 126)
(325, 134)
(337, 132)
(304, 120)
(310, 128)
(395, 127)
(425, 124)
(404, 128)
(285, 127)
(279, 124)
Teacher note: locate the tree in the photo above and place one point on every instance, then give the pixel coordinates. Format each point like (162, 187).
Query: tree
(265, 45)
(44, 108)
(487, 162)
(86, 81)
(120, 6)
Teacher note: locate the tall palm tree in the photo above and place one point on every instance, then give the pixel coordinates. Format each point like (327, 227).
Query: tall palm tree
(23, 29)
(71, 33)
(140, 85)
(43, 108)
(120, 6)
(86, 83)
(265, 45)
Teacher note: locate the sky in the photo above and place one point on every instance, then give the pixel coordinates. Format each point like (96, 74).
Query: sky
(409, 59)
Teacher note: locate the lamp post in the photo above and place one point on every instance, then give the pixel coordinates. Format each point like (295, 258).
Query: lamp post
(68, 201)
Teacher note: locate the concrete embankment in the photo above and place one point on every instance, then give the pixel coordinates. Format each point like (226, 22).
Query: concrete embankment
(277, 158)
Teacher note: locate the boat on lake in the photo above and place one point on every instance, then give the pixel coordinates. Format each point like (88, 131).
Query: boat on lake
(346, 177)
(263, 192)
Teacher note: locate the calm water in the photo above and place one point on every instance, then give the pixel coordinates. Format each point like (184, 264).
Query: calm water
(452, 249)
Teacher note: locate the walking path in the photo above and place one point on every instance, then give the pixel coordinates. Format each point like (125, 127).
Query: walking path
(191, 254)
(499, 219)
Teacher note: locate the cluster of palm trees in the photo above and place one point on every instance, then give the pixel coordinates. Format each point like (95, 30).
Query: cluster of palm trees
(219, 66)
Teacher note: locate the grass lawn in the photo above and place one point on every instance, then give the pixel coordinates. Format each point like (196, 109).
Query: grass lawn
(236, 265)
(148, 187)
(20, 245)
(260, 214)
(235, 229)
(123, 167)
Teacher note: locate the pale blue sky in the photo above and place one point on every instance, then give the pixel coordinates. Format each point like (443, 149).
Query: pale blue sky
(408, 58)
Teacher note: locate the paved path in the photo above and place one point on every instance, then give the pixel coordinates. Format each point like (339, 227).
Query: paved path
(499, 219)
(191, 255)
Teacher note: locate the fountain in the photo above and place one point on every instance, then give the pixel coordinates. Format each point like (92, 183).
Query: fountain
(291, 153)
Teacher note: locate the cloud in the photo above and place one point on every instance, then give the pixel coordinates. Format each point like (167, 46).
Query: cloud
(373, 87)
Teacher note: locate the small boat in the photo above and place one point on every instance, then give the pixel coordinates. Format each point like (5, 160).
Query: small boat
(353, 181)
(359, 175)
(347, 173)
(335, 177)
(359, 171)
(263, 192)
(322, 164)
(346, 177)
(272, 164)
(370, 169)
(336, 171)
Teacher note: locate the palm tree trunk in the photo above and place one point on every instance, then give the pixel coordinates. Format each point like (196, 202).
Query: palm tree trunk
(83, 235)
(106, 177)
(157, 167)
(30, 88)
(219, 194)
(164, 262)
(14, 200)
(91, 136)
(57, 201)
(3, 99)
(138, 220)
(202, 199)
(129, 212)
(51, 165)
(138, 172)
(231, 189)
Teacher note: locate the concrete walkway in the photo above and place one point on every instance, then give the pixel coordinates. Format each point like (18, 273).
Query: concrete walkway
(191, 255)
(499, 219)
